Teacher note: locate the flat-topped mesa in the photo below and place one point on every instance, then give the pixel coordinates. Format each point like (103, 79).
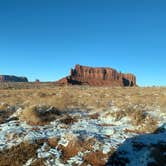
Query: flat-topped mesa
(85, 72)
(9, 78)
(99, 76)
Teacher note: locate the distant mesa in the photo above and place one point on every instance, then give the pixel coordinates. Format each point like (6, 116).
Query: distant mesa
(9, 78)
(98, 76)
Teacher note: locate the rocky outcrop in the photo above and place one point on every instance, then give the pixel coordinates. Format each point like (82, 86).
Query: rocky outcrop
(9, 78)
(84, 75)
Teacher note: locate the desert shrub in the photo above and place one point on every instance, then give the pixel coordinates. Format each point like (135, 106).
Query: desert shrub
(5, 112)
(4, 115)
(150, 124)
(68, 120)
(142, 120)
(70, 150)
(137, 117)
(94, 116)
(88, 144)
(95, 158)
(40, 115)
(18, 155)
(38, 162)
(4, 106)
(53, 142)
(76, 145)
(118, 115)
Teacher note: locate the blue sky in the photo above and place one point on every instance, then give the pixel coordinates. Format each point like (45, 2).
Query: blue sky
(45, 38)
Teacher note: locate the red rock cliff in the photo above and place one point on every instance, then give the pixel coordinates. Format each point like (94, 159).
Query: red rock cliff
(84, 75)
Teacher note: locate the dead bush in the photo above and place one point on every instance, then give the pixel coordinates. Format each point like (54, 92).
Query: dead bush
(18, 155)
(70, 150)
(40, 115)
(68, 120)
(95, 158)
(118, 115)
(76, 145)
(4, 106)
(38, 162)
(137, 117)
(94, 116)
(150, 125)
(5, 112)
(53, 142)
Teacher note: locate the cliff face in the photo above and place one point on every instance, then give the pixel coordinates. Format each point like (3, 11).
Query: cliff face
(8, 78)
(84, 75)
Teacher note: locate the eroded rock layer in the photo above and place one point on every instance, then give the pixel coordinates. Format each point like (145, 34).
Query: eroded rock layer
(84, 75)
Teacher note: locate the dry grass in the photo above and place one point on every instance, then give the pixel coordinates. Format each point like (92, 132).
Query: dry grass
(100, 97)
(94, 116)
(95, 158)
(5, 112)
(68, 120)
(40, 115)
(43, 104)
(70, 150)
(138, 118)
(74, 146)
(18, 155)
(53, 142)
(132, 102)
(162, 102)
(3, 116)
(43, 115)
(145, 122)
(38, 162)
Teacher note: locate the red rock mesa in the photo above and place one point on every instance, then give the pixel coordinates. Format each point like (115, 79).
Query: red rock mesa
(98, 76)
(9, 78)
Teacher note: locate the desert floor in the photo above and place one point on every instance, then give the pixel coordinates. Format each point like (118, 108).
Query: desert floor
(43, 124)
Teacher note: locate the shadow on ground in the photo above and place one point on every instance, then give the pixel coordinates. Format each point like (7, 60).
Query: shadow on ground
(142, 150)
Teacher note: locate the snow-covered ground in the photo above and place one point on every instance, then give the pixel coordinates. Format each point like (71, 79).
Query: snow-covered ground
(109, 134)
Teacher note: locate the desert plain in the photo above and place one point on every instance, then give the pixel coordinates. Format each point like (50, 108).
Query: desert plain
(42, 124)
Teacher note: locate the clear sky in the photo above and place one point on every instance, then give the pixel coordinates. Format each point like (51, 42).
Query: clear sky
(45, 38)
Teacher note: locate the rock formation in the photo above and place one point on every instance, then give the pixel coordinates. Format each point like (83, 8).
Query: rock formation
(9, 78)
(84, 75)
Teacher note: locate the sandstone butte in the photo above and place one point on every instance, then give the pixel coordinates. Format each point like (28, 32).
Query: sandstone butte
(9, 78)
(97, 76)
